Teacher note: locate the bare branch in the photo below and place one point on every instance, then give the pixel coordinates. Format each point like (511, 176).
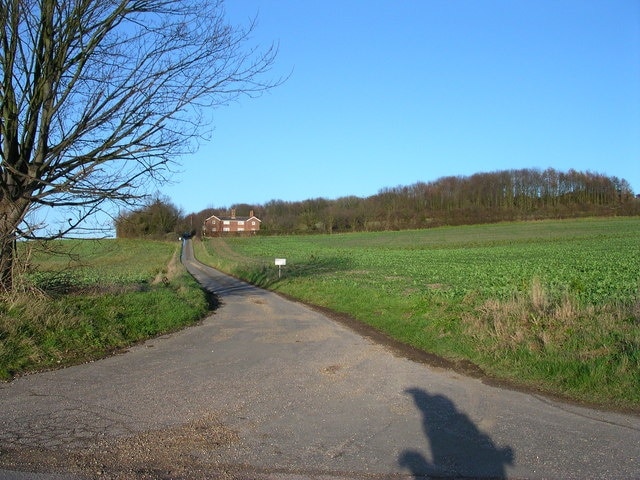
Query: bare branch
(97, 97)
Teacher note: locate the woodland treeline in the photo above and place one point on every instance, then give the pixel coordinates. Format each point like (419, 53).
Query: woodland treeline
(526, 194)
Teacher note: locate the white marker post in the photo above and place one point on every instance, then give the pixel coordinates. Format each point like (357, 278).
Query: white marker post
(280, 262)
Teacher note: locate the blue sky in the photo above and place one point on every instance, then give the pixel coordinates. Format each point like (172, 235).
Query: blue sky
(392, 92)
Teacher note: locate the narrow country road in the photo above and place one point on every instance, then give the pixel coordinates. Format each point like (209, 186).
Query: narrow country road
(266, 388)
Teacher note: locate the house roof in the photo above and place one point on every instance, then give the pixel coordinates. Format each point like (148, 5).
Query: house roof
(236, 218)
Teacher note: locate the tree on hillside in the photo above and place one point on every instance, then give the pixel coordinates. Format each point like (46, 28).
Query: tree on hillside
(97, 98)
(156, 219)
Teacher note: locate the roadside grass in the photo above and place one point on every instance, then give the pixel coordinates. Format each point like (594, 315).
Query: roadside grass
(550, 305)
(85, 299)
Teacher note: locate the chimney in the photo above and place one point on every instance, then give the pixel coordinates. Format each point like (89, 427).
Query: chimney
(250, 213)
(233, 213)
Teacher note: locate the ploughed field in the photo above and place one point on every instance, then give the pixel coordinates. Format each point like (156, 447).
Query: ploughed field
(552, 305)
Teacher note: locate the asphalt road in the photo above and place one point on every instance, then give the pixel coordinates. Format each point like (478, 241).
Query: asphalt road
(267, 388)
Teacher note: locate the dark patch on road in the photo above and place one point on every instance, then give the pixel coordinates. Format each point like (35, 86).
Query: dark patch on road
(332, 369)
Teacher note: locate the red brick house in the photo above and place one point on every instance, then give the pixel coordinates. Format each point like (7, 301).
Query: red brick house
(219, 225)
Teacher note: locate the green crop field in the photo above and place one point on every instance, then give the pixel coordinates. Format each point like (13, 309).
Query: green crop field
(86, 263)
(552, 305)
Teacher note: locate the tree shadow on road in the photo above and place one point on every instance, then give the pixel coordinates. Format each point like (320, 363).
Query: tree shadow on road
(458, 447)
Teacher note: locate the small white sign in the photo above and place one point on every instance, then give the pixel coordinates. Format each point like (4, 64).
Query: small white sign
(281, 261)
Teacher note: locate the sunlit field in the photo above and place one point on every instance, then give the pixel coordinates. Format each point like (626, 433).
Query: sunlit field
(80, 300)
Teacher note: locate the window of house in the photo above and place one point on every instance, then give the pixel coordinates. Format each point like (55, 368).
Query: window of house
(227, 222)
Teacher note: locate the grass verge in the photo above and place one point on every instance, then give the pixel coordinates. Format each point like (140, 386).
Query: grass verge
(91, 304)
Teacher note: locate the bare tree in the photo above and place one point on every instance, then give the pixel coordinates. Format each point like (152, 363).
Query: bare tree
(99, 96)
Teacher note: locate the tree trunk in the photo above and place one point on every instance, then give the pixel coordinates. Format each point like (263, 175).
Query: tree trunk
(11, 215)
(7, 253)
